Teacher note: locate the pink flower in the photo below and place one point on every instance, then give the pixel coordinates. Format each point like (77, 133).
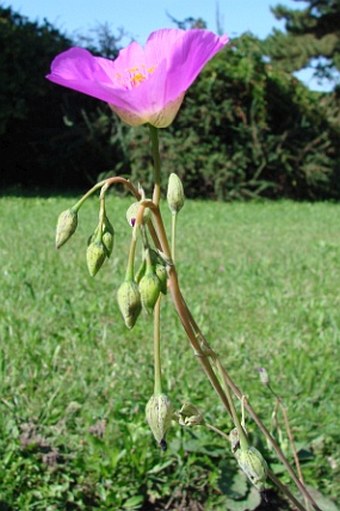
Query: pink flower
(143, 85)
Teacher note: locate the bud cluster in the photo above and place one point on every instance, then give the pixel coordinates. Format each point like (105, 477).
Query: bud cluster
(100, 243)
(100, 246)
(143, 291)
(137, 292)
(153, 280)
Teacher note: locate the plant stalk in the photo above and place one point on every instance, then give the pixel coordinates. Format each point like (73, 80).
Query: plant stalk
(194, 334)
(157, 347)
(156, 164)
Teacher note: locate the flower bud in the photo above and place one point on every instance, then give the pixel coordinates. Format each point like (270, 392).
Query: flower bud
(189, 415)
(132, 211)
(95, 256)
(175, 194)
(149, 288)
(162, 275)
(160, 269)
(253, 465)
(159, 413)
(108, 236)
(66, 226)
(129, 302)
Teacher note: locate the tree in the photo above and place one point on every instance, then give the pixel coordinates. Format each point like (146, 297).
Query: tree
(312, 36)
(50, 137)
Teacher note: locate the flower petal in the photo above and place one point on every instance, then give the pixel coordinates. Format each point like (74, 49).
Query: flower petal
(77, 69)
(142, 84)
(189, 57)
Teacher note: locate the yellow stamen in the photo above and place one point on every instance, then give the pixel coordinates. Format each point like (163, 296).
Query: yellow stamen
(137, 79)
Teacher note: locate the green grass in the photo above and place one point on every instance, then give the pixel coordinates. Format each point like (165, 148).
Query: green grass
(263, 281)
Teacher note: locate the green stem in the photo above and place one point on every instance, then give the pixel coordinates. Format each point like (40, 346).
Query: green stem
(102, 212)
(203, 352)
(217, 430)
(79, 204)
(130, 270)
(201, 347)
(173, 235)
(196, 338)
(106, 183)
(157, 347)
(156, 164)
(156, 196)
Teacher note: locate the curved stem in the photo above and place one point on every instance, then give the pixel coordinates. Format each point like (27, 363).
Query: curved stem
(157, 347)
(81, 201)
(106, 183)
(203, 351)
(121, 180)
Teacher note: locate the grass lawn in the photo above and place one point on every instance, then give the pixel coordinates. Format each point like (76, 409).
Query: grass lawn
(262, 280)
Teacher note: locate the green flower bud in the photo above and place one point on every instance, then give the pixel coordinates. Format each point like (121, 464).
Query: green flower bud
(159, 413)
(253, 465)
(66, 226)
(162, 275)
(175, 194)
(129, 302)
(149, 288)
(189, 415)
(160, 269)
(95, 256)
(108, 236)
(132, 211)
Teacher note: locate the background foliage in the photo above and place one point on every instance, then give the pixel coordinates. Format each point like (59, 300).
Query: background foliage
(247, 128)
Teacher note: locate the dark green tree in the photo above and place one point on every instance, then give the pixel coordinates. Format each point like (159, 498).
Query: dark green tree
(312, 37)
(50, 137)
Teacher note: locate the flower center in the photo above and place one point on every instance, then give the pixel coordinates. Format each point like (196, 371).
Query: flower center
(135, 76)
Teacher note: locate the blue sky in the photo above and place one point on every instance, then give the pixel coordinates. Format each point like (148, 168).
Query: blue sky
(140, 17)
